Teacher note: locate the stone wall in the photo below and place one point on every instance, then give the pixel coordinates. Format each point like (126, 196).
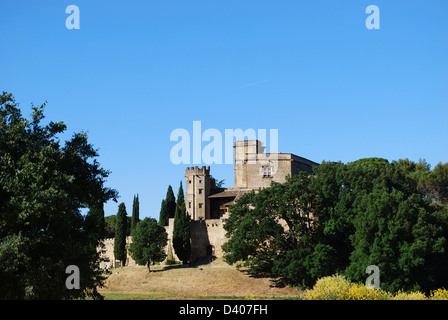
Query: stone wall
(108, 254)
(207, 238)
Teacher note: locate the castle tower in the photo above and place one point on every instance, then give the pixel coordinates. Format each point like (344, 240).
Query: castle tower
(198, 187)
(246, 156)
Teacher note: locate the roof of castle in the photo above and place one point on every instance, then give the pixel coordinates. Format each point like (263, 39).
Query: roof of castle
(229, 193)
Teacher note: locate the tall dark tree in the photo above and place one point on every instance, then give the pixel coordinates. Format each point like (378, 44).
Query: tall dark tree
(170, 203)
(148, 243)
(181, 229)
(163, 218)
(135, 213)
(120, 234)
(43, 187)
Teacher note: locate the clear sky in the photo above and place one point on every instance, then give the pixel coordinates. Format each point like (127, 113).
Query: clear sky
(137, 70)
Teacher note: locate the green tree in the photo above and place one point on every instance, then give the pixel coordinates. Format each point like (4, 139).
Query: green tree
(43, 187)
(95, 223)
(163, 218)
(181, 229)
(110, 226)
(110, 222)
(272, 232)
(120, 234)
(170, 203)
(135, 213)
(342, 219)
(394, 228)
(148, 242)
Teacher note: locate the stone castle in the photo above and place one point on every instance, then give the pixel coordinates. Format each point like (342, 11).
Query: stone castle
(208, 204)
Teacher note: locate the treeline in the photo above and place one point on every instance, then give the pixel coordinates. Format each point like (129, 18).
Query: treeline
(343, 218)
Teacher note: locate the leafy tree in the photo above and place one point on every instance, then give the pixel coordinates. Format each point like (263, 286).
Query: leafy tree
(135, 213)
(181, 229)
(120, 234)
(43, 187)
(395, 228)
(170, 203)
(148, 242)
(272, 232)
(163, 219)
(342, 219)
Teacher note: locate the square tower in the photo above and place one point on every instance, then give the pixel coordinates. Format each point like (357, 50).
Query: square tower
(199, 184)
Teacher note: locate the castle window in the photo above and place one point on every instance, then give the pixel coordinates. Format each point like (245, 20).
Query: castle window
(189, 205)
(200, 191)
(200, 205)
(189, 181)
(266, 171)
(200, 181)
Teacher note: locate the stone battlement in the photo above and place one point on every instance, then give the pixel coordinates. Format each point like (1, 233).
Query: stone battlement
(198, 170)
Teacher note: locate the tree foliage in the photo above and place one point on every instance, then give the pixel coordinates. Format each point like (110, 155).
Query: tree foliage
(167, 208)
(170, 203)
(148, 242)
(181, 229)
(110, 223)
(163, 217)
(120, 234)
(342, 219)
(135, 213)
(43, 187)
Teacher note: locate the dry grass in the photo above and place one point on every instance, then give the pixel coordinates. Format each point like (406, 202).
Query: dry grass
(214, 281)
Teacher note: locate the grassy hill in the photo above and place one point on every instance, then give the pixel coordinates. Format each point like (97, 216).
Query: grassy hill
(216, 280)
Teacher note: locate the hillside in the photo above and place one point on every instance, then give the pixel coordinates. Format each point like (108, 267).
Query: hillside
(216, 280)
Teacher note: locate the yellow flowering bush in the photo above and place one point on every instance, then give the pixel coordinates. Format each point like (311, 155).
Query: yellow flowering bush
(416, 295)
(439, 294)
(337, 287)
(361, 292)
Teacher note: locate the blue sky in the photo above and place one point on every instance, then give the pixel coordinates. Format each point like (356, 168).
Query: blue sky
(137, 70)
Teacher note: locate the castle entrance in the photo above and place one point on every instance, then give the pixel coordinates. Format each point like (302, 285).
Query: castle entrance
(210, 250)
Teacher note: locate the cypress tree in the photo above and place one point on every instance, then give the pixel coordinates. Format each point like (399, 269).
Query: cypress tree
(170, 202)
(135, 214)
(181, 229)
(163, 218)
(120, 234)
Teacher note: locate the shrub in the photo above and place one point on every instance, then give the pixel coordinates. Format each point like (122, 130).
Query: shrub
(170, 262)
(361, 292)
(335, 287)
(416, 295)
(439, 294)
